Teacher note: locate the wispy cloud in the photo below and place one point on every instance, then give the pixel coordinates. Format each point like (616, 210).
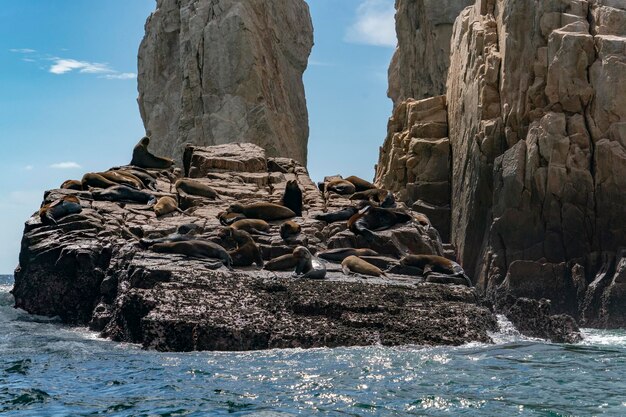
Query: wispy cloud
(374, 24)
(62, 66)
(65, 165)
(317, 63)
(22, 51)
(121, 76)
(28, 168)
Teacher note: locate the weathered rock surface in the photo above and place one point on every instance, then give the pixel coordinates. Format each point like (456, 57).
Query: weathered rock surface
(91, 268)
(221, 71)
(420, 64)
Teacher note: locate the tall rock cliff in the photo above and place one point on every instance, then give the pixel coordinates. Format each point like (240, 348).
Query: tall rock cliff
(420, 64)
(536, 116)
(222, 71)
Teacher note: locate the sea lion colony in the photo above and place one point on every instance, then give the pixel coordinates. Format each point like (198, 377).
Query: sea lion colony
(373, 210)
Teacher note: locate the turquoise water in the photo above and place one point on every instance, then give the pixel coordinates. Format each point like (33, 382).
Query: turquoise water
(50, 370)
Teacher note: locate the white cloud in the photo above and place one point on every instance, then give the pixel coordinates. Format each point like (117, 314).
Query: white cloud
(22, 51)
(374, 25)
(316, 63)
(28, 168)
(65, 165)
(121, 76)
(62, 66)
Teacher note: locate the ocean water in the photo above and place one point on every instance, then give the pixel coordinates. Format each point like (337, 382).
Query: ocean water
(47, 369)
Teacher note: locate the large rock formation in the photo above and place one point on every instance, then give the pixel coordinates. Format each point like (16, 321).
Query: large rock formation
(222, 71)
(92, 268)
(536, 96)
(420, 64)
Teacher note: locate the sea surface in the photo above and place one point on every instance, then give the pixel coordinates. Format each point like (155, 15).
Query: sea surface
(47, 369)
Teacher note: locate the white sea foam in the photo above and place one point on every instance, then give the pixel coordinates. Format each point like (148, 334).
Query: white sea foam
(507, 333)
(597, 337)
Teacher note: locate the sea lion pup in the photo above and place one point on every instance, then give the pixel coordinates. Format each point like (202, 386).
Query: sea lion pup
(263, 211)
(289, 229)
(337, 216)
(195, 249)
(252, 226)
(95, 180)
(307, 265)
(359, 266)
(144, 159)
(360, 184)
(166, 205)
(292, 197)
(124, 193)
(227, 219)
(51, 213)
(282, 263)
(247, 251)
(370, 219)
(195, 188)
(342, 187)
(122, 179)
(184, 232)
(340, 254)
(437, 265)
(378, 196)
(72, 185)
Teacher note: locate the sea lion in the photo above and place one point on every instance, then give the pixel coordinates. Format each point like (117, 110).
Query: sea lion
(252, 226)
(289, 229)
(144, 159)
(340, 254)
(195, 188)
(147, 179)
(378, 196)
(370, 219)
(437, 265)
(359, 266)
(195, 249)
(342, 187)
(119, 177)
(292, 197)
(360, 184)
(282, 263)
(247, 251)
(337, 216)
(51, 213)
(72, 185)
(95, 180)
(307, 265)
(166, 205)
(184, 232)
(227, 219)
(124, 193)
(263, 211)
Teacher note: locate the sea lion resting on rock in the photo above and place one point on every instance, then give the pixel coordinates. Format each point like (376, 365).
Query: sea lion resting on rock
(124, 193)
(292, 198)
(51, 213)
(95, 180)
(360, 184)
(370, 219)
(341, 187)
(247, 251)
(263, 211)
(145, 177)
(184, 232)
(289, 229)
(439, 267)
(307, 265)
(338, 255)
(359, 266)
(144, 159)
(122, 178)
(252, 226)
(72, 185)
(195, 249)
(195, 188)
(338, 216)
(227, 219)
(282, 263)
(166, 205)
(379, 196)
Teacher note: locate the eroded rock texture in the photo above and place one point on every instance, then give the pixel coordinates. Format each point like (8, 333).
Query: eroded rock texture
(222, 71)
(92, 268)
(420, 64)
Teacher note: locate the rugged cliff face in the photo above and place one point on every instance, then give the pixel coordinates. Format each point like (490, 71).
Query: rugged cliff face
(536, 113)
(222, 71)
(420, 64)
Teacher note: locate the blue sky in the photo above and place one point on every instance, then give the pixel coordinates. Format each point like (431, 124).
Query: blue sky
(68, 94)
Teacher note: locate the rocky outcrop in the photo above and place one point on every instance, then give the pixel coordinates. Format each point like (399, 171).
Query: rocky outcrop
(415, 159)
(420, 64)
(221, 71)
(92, 268)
